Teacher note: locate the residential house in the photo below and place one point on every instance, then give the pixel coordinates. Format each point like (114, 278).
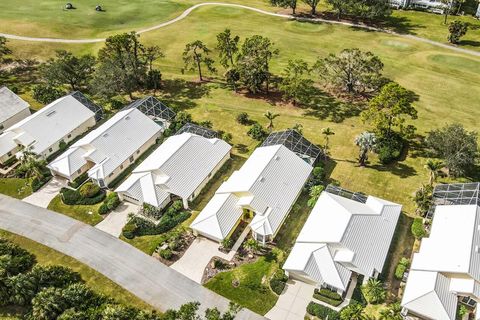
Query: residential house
(108, 150)
(437, 6)
(44, 131)
(446, 269)
(266, 186)
(12, 108)
(180, 167)
(346, 234)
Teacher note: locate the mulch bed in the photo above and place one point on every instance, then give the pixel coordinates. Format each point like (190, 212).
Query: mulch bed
(185, 242)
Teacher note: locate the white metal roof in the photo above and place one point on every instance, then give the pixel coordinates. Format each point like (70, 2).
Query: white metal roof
(178, 166)
(10, 104)
(48, 125)
(109, 145)
(268, 183)
(447, 263)
(338, 236)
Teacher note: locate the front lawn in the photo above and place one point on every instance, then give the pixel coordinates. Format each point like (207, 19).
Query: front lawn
(15, 187)
(86, 213)
(253, 291)
(94, 279)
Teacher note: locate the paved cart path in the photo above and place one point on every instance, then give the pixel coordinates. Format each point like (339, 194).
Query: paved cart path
(145, 277)
(286, 16)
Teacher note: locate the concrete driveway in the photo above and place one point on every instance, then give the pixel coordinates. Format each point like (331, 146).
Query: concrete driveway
(42, 197)
(116, 220)
(293, 302)
(144, 276)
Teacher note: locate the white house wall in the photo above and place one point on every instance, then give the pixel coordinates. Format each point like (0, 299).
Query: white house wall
(14, 119)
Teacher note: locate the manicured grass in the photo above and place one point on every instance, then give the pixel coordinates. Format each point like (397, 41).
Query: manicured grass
(147, 244)
(95, 280)
(15, 187)
(86, 213)
(253, 292)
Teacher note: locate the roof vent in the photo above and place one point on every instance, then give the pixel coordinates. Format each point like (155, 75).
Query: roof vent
(51, 113)
(477, 249)
(277, 158)
(127, 118)
(105, 135)
(261, 179)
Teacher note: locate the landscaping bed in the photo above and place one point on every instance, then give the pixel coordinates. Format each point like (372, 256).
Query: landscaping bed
(174, 246)
(328, 296)
(228, 243)
(322, 312)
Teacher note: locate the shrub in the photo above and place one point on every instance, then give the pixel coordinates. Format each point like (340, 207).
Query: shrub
(70, 197)
(144, 227)
(112, 201)
(166, 254)
(151, 211)
(328, 293)
(418, 230)
(46, 94)
(78, 180)
(322, 312)
(36, 183)
(117, 102)
(227, 243)
(457, 29)
(89, 190)
(15, 259)
(402, 266)
(328, 300)
(62, 145)
(357, 296)
(257, 132)
(277, 286)
(103, 209)
(389, 148)
(174, 244)
(374, 291)
(93, 200)
(243, 118)
(280, 275)
(129, 230)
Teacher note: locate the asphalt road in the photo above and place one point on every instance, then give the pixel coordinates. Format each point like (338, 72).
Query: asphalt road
(145, 277)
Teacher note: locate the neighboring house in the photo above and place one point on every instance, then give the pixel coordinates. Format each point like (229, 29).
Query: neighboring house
(446, 270)
(42, 132)
(345, 234)
(478, 11)
(154, 109)
(180, 167)
(266, 186)
(436, 6)
(110, 149)
(12, 108)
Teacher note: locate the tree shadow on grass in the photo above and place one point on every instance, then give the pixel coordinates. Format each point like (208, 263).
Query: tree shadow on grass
(241, 148)
(322, 105)
(472, 43)
(400, 25)
(180, 94)
(397, 168)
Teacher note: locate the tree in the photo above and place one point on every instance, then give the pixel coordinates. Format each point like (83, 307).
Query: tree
(195, 55)
(418, 230)
(48, 304)
(433, 166)
(151, 54)
(374, 291)
(298, 127)
(292, 4)
(456, 146)
(295, 80)
(402, 266)
(446, 10)
(4, 50)
(68, 69)
(353, 311)
(243, 118)
(122, 67)
(366, 9)
(388, 110)
(313, 5)
(352, 70)
(46, 94)
(31, 166)
(227, 47)
(257, 132)
(327, 132)
(315, 192)
(423, 199)
(457, 29)
(189, 311)
(366, 141)
(253, 63)
(392, 312)
(270, 117)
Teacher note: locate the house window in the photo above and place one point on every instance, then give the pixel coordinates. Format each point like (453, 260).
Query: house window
(111, 174)
(2, 126)
(69, 136)
(79, 171)
(121, 166)
(50, 150)
(9, 154)
(138, 151)
(209, 175)
(131, 159)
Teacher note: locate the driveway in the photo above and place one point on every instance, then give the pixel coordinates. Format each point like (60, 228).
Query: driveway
(42, 197)
(293, 302)
(148, 279)
(116, 220)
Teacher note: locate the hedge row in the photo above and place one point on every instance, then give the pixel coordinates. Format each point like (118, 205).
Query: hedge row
(328, 294)
(331, 302)
(78, 180)
(110, 203)
(138, 226)
(73, 197)
(322, 312)
(36, 183)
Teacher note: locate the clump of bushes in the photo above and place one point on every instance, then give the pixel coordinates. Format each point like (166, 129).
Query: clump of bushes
(389, 148)
(78, 180)
(328, 296)
(78, 197)
(138, 226)
(243, 118)
(257, 132)
(357, 295)
(37, 183)
(418, 230)
(402, 266)
(278, 281)
(322, 312)
(374, 291)
(166, 254)
(110, 203)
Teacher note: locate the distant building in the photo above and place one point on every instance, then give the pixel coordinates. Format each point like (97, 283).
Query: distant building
(42, 132)
(180, 167)
(110, 149)
(436, 6)
(12, 108)
(343, 236)
(266, 187)
(478, 11)
(446, 270)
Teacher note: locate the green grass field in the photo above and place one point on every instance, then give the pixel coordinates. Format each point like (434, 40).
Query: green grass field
(86, 213)
(95, 280)
(15, 187)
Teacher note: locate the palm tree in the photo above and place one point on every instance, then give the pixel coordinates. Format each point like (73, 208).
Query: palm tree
(374, 291)
(366, 141)
(353, 311)
(391, 312)
(433, 166)
(327, 132)
(30, 164)
(270, 116)
(314, 193)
